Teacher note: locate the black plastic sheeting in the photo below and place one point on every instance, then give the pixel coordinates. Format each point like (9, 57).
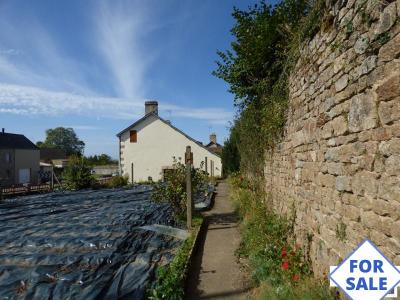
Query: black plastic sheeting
(82, 245)
(203, 199)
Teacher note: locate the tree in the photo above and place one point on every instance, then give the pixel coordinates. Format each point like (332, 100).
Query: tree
(101, 160)
(63, 138)
(77, 174)
(230, 154)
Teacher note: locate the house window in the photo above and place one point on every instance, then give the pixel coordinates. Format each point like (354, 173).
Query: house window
(133, 136)
(7, 157)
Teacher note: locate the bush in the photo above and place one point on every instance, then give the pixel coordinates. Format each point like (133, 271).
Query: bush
(118, 181)
(77, 174)
(173, 190)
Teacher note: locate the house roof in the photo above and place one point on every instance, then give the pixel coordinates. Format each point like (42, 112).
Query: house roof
(15, 141)
(170, 125)
(52, 153)
(216, 144)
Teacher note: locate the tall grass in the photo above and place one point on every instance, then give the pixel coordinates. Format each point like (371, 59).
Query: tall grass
(278, 266)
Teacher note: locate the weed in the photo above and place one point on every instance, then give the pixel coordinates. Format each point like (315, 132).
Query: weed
(341, 231)
(170, 279)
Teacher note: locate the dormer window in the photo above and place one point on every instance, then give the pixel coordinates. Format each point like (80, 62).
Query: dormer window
(133, 136)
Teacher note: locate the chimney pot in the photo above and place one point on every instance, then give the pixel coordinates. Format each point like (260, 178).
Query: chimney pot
(213, 138)
(151, 107)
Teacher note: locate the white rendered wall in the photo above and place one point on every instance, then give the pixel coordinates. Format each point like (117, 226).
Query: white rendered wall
(157, 144)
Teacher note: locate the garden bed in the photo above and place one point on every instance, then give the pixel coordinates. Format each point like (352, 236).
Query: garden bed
(83, 244)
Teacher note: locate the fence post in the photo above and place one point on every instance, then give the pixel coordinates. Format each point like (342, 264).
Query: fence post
(189, 203)
(52, 178)
(132, 173)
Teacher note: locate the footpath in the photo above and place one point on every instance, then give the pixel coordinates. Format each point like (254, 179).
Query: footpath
(215, 272)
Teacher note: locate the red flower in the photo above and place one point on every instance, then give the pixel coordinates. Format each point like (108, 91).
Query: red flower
(296, 277)
(285, 265)
(284, 253)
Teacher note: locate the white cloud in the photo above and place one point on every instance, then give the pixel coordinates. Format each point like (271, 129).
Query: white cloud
(25, 100)
(121, 28)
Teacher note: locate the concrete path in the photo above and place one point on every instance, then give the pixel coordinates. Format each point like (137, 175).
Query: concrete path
(215, 273)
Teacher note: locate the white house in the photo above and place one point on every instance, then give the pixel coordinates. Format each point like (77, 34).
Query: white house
(149, 146)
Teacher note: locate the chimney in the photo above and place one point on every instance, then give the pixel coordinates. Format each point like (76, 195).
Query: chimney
(151, 107)
(213, 138)
(2, 130)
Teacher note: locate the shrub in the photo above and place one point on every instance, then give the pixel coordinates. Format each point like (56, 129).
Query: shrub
(173, 190)
(118, 181)
(77, 174)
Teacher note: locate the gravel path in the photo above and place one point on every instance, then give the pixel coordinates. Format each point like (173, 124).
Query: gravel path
(215, 273)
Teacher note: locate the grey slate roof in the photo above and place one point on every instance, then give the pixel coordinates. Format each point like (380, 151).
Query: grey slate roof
(170, 125)
(16, 141)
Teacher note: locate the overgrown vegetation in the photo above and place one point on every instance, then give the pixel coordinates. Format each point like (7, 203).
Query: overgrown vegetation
(173, 190)
(278, 265)
(77, 175)
(118, 181)
(257, 68)
(170, 279)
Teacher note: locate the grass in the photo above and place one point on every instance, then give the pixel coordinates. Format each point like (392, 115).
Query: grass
(170, 280)
(278, 266)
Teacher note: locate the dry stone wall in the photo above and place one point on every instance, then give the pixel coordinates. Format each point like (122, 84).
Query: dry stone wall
(338, 165)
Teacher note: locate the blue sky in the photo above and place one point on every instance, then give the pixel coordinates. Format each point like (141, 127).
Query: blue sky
(90, 65)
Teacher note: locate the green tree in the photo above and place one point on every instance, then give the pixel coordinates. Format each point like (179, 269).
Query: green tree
(101, 160)
(77, 174)
(230, 153)
(63, 138)
(257, 68)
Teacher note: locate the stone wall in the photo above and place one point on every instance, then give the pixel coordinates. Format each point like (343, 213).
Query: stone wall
(338, 164)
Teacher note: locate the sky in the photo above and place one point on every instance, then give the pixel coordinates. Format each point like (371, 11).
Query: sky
(91, 65)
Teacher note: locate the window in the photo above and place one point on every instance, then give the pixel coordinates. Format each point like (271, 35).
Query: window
(7, 157)
(133, 136)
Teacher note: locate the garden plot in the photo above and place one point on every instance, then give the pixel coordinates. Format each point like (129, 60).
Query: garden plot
(82, 245)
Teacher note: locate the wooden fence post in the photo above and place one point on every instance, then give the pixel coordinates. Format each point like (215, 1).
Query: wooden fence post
(52, 178)
(189, 203)
(132, 173)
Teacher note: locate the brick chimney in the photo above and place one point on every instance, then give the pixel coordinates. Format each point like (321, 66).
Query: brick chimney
(213, 138)
(151, 107)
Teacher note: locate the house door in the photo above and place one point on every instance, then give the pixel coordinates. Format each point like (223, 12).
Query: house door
(24, 175)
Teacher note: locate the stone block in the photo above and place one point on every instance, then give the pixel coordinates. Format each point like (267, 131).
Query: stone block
(343, 183)
(390, 50)
(368, 65)
(391, 147)
(339, 125)
(389, 111)
(387, 19)
(361, 44)
(341, 83)
(392, 165)
(389, 88)
(389, 188)
(365, 183)
(362, 115)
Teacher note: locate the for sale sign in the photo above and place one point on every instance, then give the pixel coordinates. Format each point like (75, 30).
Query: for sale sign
(366, 274)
